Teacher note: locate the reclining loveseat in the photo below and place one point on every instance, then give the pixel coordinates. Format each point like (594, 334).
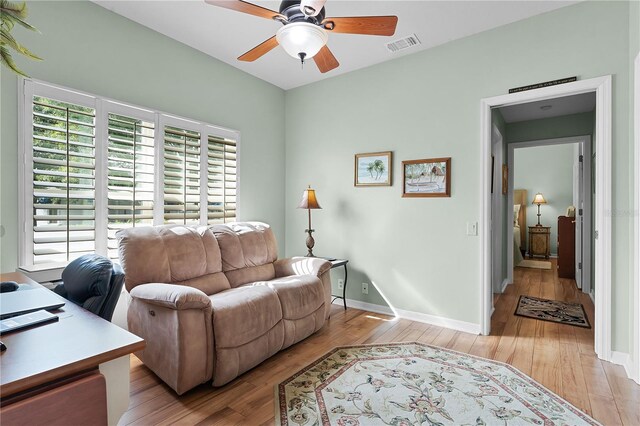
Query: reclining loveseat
(212, 302)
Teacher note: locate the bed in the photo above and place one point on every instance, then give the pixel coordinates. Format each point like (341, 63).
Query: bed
(519, 225)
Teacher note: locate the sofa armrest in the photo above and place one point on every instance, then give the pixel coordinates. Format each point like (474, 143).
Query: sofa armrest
(175, 322)
(172, 296)
(301, 266)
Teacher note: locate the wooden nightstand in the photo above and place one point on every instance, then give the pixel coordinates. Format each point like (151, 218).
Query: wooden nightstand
(539, 237)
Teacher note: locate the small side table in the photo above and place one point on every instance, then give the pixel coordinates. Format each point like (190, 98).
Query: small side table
(539, 241)
(335, 263)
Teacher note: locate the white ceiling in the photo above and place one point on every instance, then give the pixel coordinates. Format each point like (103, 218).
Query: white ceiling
(226, 34)
(550, 108)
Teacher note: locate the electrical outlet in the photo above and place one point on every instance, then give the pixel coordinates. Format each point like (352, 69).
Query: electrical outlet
(340, 284)
(365, 288)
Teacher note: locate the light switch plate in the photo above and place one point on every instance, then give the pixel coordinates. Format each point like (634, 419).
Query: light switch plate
(472, 228)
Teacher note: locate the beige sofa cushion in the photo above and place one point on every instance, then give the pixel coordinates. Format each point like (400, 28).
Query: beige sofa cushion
(243, 314)
(248, 251)
(172, 254)
(299, 295)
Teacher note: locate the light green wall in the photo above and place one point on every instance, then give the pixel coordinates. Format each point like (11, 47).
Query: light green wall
(549, 170)
(427, 105)
(88, 48)
(551, 128)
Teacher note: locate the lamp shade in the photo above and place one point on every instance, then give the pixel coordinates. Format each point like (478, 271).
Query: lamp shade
(309, 200)
(539, 199)
(301, 38)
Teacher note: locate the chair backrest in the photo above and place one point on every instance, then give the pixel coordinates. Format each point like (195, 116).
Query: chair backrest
(248, 251)
(94, 283)
(172, 254)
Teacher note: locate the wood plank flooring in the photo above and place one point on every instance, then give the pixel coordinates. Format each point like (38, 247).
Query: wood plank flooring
(561, 357)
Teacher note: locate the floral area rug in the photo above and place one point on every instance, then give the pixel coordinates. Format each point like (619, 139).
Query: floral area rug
(552, 310)
(405, 384)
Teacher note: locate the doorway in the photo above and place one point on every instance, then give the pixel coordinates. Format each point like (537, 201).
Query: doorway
(576, 192)
(602, 203)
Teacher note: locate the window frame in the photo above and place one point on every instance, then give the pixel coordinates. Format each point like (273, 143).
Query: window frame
(28, 88)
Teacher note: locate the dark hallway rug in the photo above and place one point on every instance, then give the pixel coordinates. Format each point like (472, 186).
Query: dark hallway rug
(553, 310)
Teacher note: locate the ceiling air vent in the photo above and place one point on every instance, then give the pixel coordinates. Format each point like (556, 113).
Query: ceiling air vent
(403, 43)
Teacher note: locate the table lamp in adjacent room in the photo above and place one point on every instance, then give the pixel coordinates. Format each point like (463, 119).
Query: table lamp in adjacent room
(539, 199)
(309, 202)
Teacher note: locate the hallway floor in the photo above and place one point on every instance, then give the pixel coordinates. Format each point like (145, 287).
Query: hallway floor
(560, 356)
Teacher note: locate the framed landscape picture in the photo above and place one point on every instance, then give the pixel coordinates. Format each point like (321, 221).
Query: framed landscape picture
(373, 169)
(426, 178)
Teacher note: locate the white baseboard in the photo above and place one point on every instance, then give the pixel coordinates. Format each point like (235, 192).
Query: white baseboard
(464, 326)
(623, 359)
(371, 307)
(505, 283)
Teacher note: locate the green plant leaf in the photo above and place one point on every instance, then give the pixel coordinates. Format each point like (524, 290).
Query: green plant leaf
(7, 38)
(15, 13)
(12, 13)
(7, 61)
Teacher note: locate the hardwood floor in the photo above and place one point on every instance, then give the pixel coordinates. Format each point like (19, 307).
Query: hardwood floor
(561, 357)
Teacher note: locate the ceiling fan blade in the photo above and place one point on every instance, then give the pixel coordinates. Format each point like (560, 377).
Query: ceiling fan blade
(259, 50)
(369, 25)
(244, 7)
(325, 60)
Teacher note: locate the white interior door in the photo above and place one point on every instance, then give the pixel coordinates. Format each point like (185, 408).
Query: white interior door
(578, 202)
(496, 212)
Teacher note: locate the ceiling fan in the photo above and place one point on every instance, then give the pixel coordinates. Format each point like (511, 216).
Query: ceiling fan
(305, 29)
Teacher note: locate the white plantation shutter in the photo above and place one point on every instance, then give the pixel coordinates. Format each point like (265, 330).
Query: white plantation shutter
(181, 176)
(63, 169)
(91, 166)
(130, 176)
(221, 180)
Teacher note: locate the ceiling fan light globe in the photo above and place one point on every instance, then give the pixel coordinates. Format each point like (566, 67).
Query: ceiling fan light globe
(302, 37)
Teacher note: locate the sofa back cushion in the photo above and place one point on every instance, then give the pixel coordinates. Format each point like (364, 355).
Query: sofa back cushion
(172, 254)
(248, 251)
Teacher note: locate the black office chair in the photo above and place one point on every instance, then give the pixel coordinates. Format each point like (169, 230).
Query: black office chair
(93, 282)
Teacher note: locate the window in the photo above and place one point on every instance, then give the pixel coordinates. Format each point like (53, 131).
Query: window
(221, 180)
(130, 176)
(64, 181)
(93, 166)
(181, 176)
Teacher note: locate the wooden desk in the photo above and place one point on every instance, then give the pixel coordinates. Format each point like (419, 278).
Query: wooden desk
(79, 342)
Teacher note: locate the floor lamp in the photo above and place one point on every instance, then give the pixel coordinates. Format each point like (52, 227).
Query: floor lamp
(309, 202)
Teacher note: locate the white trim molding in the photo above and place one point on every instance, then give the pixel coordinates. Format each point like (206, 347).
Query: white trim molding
(463, 326)
(635, 340)
(624, 359)
(602, 88)
(364, 306)
(505, 283)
